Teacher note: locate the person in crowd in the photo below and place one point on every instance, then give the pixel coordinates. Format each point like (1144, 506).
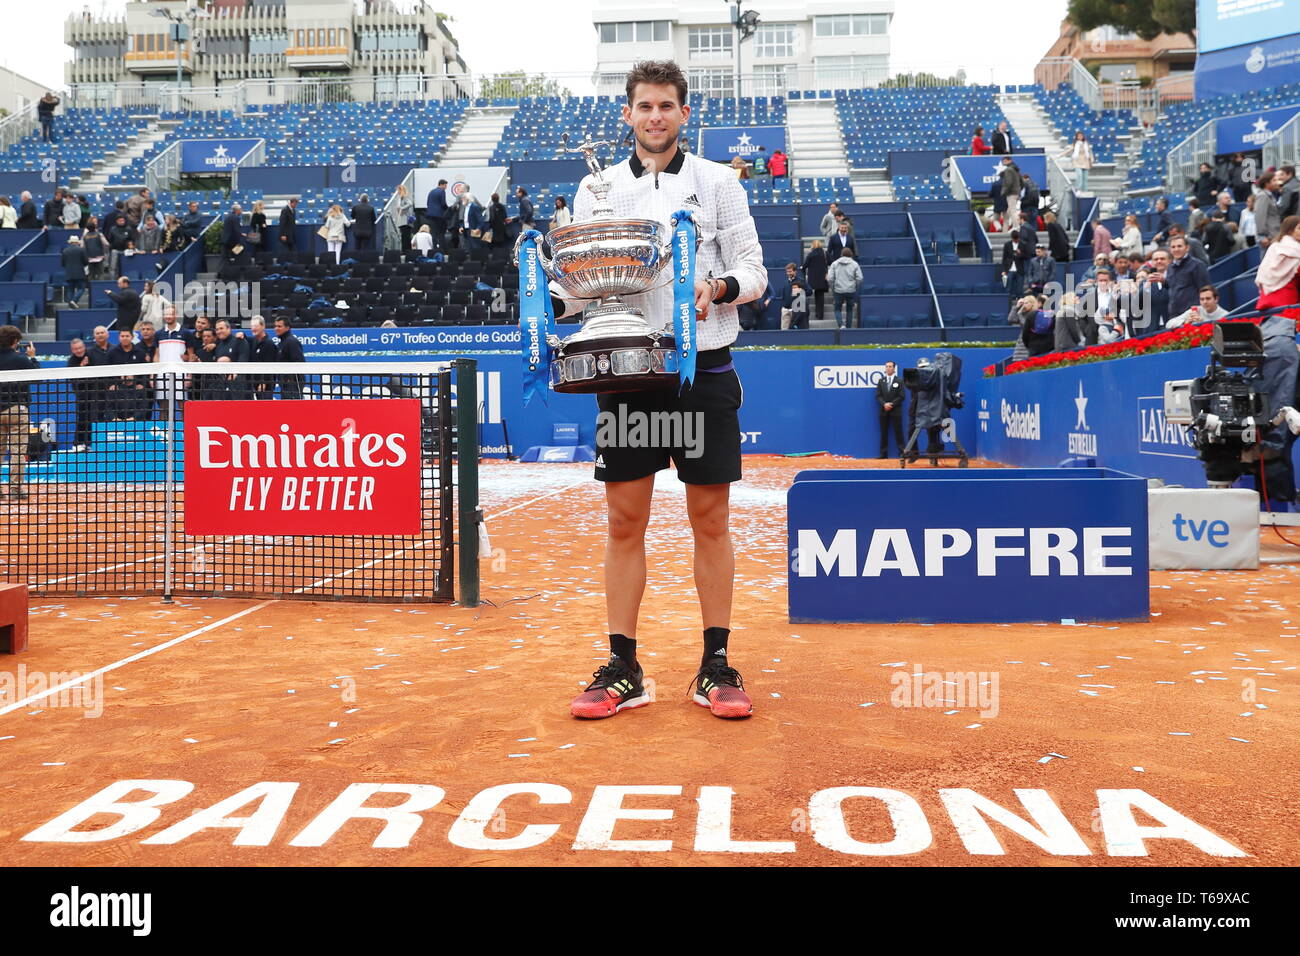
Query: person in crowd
(45, 107)
(171, 325)
(471, 222)
(1067, 335)
(363, 223)
(845, 276)
(233, 348)
(150, 236)
(1218, 238)
(435, 212)
(1194, 245)
(135, 207)
(173, 237)
(257, 226)
(1101, 238)
(814, 270)
(1030, 197)
(1022, 310)
(1026, 239)
(563, 215)
(740, 166)
(1130, 240)
(205, 387)
(526, 213)
(70, 215)
(1223, 204)
(841, 241)
(1099, 262)
(1123, 266)
(779, 165)
(52, 214)
(153, 305)
(27, 218)
(977, 148)
(1238, 240)
(127, 301)
(289, 225)
(1246, 224)
(1106, 306)
(8, 214)
(1153, 286)
(73, 260)
(1185, 276)
(1278, 277)
(1195, 215)
(148, 340)
(830, 221)
(1239, 182)
(787, 294)
(423, 241)
(1268, 220)
(401, 214)
(336, 231)
(1038, 327)
(890, 398)
(1207, 310)
(1058, 240)
(1081, 155)
(194, 340)
(192, 222)
(760, 161)
(1164, 222)
(1011, 185)
(83, 395)
(232, 233)
(1206, 186)
(798, 304)
(1288, 194)
(497, 219)
(127, 395)
(15, 402)
(1040, 270)
(1002, 139)
(262, 348)
(290, 351)
(753, 315)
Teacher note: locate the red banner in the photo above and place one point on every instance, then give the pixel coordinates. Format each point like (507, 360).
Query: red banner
(303, 467)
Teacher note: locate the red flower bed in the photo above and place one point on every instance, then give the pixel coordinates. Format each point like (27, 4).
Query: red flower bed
(1184, 337)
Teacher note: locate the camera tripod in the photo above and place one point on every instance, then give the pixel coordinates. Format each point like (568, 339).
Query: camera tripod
(908, 455)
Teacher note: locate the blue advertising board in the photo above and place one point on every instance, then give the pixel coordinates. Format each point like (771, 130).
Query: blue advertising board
(1253, 66)
(1250, 131)
(963, 546)
(979, 172)
(1227, 23)
(724, 143)
(213, 155)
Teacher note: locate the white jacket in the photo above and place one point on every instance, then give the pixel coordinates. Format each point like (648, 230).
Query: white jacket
(729, 246)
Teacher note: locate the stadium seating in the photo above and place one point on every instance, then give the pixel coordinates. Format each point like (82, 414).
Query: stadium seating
(82, 136)
(876, 121)
(1069, 113)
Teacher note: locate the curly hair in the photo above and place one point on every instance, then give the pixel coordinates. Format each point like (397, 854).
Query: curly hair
(657, 73)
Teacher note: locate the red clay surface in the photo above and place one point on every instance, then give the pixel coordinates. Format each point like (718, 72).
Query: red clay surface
(324, 695)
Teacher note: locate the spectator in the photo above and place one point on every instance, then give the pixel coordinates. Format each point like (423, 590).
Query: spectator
(829, 221)
(1108, 311)
(1029, 200)
(127, 301)
(171, 325)
(798, 304)
(1195, 214)
(889, 398)
(562, 215)
(27, 218)
(753, 314)
(1277, 277)
(363, 223)
(194, 341)
(845, 279)
(1288, 197)
(73, 260)
(1081, 155)
(525, 208)
(397, 224)
(1154, 286)
(173, 237)
(1011, 184)
(787, 294)
(496, 220)
(1101, 240)
(290, 351)
(148, 342)
(760, 162)
(1026, 238)
(1164, 222)
(45, 113)
(471, 222)
(1195, 245)
(977, 148)
(256, 235)
(150, 237)
(1099, 262)
(127, 396)
(233, 348)
(1223, 204)
(1238, 240)
(1268, 221)
(262, 348)
(192, 221)
(336, 231)
(8, 214)
(840, 243)
(15, 400)
(435, 212)
(95, 249)
(1067, 335)
(1021, 315)
(1123, 266)
(842, 219)
(779, 164)
(1218, 239)
(1130, 240)
(83, 394)
(52, 215)
(289, 225)
(1038, 328)
(70, 218)
(741, 167)
(1058, 240)
(1185, 276)
(423, 241)
(135, 207)
(1011, 280)
(1206, 186)
(814, 270)
(232, 233)
(1238, 182)
(1207, 310)
(153, 305)
(1002, 140)
(1040, 270)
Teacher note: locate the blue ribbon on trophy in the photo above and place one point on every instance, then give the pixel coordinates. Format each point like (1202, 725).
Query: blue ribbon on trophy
(684, 294)
(536, 318)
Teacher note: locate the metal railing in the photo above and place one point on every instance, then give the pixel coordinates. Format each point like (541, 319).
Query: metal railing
(161, 172)
(254, 157)
(1052, 71)
(18, 126)
(1184, 160)
(1284, 148)
(1062, 190)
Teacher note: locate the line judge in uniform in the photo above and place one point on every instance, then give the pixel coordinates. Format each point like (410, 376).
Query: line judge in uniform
(654, 182)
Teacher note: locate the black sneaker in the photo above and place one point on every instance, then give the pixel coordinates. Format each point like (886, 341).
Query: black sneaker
(719, 687)
(616, 687)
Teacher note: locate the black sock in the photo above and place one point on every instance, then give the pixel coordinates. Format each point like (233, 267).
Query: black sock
(715, 644)
(624, 648)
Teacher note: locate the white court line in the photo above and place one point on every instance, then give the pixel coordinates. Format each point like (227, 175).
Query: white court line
(585, 481)
(28, 701)
(128, 564)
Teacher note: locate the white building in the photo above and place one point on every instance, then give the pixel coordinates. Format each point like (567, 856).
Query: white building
(17, 92)
(816, 44)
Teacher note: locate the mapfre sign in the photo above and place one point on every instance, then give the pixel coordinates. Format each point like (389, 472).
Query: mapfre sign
(303, 467)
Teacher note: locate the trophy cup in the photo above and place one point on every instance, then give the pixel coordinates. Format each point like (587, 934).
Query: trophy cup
(605, 258)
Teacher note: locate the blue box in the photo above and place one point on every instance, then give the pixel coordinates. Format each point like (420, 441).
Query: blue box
(960, 545)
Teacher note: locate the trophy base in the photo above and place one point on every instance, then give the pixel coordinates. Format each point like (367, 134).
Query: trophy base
(617, 363)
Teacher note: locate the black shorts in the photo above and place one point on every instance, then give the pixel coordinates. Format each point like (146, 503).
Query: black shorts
(702, 438)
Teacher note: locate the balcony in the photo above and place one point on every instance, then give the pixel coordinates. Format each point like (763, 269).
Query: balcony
(157, 61)
(319, 57)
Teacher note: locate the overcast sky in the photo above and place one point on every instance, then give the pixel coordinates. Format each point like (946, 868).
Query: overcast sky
(999, 43)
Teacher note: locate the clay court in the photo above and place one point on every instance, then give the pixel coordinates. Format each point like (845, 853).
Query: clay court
(1192, 709)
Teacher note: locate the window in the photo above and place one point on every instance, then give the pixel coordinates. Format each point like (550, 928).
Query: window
(623, 32)
(851, 25)
(268, 43)
(774, 41)
(1115, 72)
(712, 82)
(769, 80)
(710, 43)
(640, 31)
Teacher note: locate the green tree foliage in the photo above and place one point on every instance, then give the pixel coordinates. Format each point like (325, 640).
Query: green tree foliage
(519, 83)
(1147, 18)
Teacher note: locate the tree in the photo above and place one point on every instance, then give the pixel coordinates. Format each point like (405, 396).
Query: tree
(519, 83)
(923, 79)
(1146, 18)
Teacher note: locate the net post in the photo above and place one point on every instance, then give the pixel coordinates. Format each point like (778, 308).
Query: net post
(169, 489)
(446, 589)
(467, 451)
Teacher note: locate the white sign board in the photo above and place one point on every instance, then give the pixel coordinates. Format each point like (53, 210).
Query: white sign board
(1203, 528)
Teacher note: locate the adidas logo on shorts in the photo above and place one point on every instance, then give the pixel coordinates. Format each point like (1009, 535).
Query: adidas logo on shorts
(600, 461)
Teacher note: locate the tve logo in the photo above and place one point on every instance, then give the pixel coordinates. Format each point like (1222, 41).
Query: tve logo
(1215, 533)
(847, 376)
(1157, 436)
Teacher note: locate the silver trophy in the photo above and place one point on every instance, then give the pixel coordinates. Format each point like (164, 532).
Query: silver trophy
(604, 258)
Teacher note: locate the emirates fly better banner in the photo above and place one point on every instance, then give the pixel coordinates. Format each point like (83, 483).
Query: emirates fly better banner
(303, 467)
